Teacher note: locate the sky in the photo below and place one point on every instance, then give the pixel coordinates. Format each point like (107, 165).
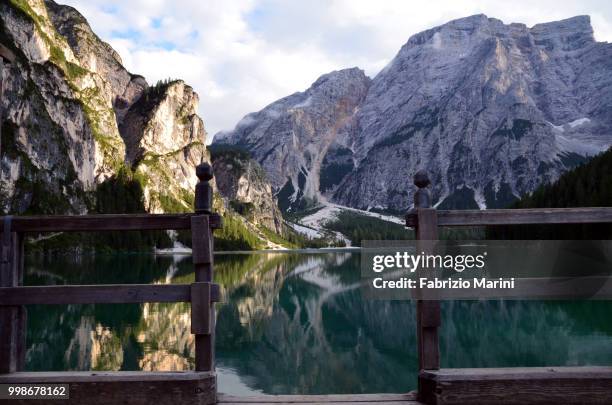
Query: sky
(241, 55)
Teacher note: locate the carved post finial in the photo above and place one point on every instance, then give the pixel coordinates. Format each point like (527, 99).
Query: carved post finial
(203, 190)
(422, 197)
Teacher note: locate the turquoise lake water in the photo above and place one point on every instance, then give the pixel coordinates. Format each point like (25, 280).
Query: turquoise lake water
(296, 323)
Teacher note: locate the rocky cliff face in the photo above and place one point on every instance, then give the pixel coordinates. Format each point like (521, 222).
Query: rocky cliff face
(291, 137)
(59, 138)
(74, 117)
(490, 110)
(164, 139)
(243, 182)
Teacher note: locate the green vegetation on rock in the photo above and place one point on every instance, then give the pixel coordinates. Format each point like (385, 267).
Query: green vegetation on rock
(120, 194)
(357, 227)
(234, 235)
(588, 185)
(93, 105)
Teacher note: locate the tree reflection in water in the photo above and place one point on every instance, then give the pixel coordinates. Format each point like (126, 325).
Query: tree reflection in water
(296, 323)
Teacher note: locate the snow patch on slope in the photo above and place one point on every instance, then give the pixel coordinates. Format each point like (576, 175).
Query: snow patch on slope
(330, 211)
(480, 198)
(573, 124)
(306, 231)
(579, 122)
(314, 224)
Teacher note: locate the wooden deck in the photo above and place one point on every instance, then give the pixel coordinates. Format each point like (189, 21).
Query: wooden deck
(517, 385)
(361, 399)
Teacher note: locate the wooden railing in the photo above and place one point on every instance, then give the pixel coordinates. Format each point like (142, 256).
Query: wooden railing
(576, 385)
(201, 294)
(436, 385)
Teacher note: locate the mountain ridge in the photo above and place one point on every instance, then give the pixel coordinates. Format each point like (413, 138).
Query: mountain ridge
(81, 134)
(491, 110)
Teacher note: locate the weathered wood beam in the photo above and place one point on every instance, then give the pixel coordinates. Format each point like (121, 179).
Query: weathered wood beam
(95, 223)
(427, 312)
(319, 399)
(123, 387)
(200, 308)
(522, 385)
(12, 318)
(203, 310)
(519, 216)
(100, 294)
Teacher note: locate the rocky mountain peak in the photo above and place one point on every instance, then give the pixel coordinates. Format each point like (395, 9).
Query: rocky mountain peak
(339, 78)
(243, 183)
(97, 56)
(75, 118)
(490, 109)
(291, 136)
(567, 35)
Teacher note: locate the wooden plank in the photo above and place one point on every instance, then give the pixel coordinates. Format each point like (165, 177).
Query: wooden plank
(22, 313)
(200, 308)
(428, 316)
(12, 318)
(9, 318)
(428, 312)
(427, 224)
(296, 399)
(129, 388)
(122, 222)
(202, 254)
(57, 377)
(99, 294)
(533, 385)
(519, 216)
(330, 402)
(201, 237)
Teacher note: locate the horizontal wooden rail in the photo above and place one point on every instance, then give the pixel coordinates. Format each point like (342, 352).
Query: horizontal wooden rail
(122, 387)
(119, 222)
(520, 385)
(519, 216)
(100, 294)
(333, 399)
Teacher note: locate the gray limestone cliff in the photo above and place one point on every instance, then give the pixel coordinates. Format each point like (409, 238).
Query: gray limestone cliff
(490, 110)
(243, 182)
(75, 118)
(291, 137)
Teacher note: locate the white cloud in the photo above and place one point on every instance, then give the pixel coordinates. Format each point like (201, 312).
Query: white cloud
(241, 55)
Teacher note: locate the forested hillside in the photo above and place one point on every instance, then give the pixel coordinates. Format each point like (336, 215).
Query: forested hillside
(588, 185)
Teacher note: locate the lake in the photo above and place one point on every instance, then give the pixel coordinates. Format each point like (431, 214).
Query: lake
(296, 323)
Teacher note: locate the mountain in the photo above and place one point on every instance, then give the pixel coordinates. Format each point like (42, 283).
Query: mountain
(490, 110)
(74, 117)
(245, 185)
(292, 137)
(587, 185)
(80, 134)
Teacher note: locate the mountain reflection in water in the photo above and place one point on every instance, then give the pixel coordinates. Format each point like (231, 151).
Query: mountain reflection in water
(295, 323)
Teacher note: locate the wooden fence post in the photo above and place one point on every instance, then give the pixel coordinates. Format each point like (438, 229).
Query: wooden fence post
(428, 312)
(202, 310)
(12, 318)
